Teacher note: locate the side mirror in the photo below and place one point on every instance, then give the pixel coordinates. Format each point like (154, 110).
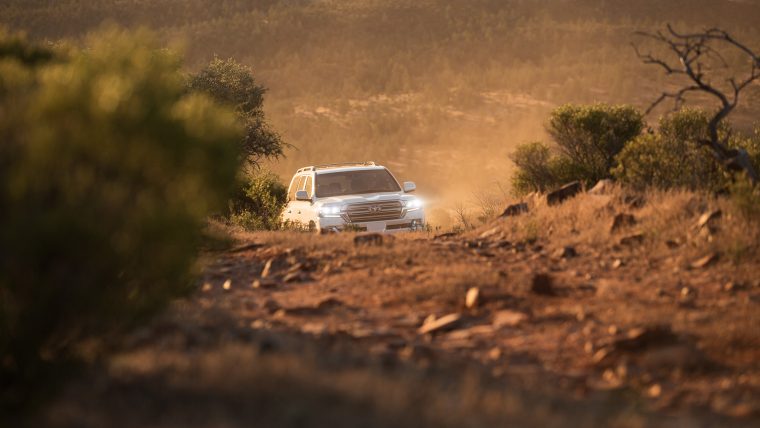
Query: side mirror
(302, 195)
(409, 186)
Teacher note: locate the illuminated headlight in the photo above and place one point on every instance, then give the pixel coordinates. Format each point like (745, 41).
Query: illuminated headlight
(330, 211)
(412, 204)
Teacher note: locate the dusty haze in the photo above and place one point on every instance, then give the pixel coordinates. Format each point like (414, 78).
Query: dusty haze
(439, 91)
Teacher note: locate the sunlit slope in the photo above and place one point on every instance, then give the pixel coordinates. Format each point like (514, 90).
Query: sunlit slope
(441, 90)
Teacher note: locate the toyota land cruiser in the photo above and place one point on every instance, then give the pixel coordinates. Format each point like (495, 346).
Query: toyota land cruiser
(355, 196)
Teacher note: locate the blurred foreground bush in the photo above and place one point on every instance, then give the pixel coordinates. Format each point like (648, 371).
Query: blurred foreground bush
(259, 201)
(108, 167)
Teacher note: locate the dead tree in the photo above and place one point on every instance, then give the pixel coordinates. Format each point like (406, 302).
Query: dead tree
(696, 55)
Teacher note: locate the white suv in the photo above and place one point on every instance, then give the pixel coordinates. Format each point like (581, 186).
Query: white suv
(355, 196)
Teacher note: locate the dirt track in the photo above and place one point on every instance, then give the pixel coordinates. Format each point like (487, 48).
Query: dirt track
(335, 335)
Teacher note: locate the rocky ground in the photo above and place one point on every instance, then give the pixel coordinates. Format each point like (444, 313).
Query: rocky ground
(605, 310)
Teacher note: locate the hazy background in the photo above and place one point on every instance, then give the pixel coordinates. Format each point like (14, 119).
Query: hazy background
(440, 91)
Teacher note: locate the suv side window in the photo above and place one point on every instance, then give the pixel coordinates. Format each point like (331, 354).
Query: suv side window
(308, 186)
(296, 186)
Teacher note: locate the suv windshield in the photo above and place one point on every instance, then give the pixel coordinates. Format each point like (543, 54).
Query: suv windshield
(355, 182)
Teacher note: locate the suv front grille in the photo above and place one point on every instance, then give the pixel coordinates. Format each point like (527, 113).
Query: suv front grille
(372, 211)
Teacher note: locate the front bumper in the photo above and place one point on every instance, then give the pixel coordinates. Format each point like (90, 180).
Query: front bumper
(414, 220)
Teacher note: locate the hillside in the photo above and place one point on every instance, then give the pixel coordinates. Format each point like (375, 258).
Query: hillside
(418, 85)
(548, 319)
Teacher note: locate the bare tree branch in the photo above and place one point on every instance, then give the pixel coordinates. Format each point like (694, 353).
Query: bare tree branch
(692, 52)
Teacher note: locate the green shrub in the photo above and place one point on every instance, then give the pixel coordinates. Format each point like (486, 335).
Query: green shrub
(107, 170)
(233, 84)
(259, 202)
(540, 170)
(587, 139)
(591, 136)
(746, 198)
(674, 157)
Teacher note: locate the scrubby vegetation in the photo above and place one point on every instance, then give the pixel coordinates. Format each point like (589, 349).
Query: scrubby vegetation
(586, 140)
(108, 168)
(258, 202)
(233, 84)
(421, 83)
(596, 142)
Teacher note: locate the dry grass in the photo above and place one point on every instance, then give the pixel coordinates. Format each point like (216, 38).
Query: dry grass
(226, 358)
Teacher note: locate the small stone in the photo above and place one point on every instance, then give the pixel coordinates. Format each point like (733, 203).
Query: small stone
(672, 244)
(687, 292)
(508, 318)
(267, 268)
(542, 284)
(295, 277)
(707, 217)
(296, 267)
(227, 285)
(429, 319)
(617, 264)
(443, 323)
(565, 252)
(622, 220)
(488, 233)
(563, 193)
(472, 298)
(731, 286)
(207, 287)
(705, 261)
(369, 239)
(636, 238)
(494, 353)
(271, 306)
(613, 330)
(515, 209)
(654, 391)
(602, 187)
(263, 283)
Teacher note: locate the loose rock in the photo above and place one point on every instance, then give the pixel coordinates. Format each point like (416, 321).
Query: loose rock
(602, 187)
(565, 252)
(263, 283)
(472, 299)
(508, 318)
(705, 261)
(515, 209)
(542, 284)
(636, 238)
(622, 220)
(370, 239)
(708, 217)
(440, 324)
(267, 268)
(563, 193)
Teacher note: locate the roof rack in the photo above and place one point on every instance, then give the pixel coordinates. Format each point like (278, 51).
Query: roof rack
(336, 165)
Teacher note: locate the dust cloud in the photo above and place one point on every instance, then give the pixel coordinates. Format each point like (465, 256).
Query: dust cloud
(439, 91)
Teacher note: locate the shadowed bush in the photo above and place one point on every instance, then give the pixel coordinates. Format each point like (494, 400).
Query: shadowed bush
(674, 157)
(591, 136)
(233, 84)
(540, 170)
(587, 139)
(259, 202)
(107, 171)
